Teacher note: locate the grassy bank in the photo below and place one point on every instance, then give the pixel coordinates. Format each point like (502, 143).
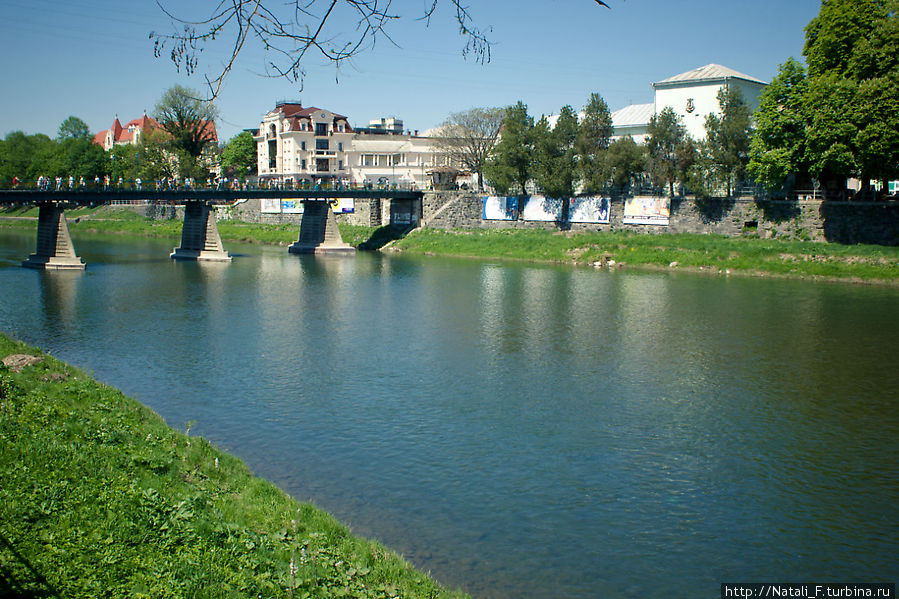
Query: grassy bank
(710, 253)
(101, 498)
(682, 251)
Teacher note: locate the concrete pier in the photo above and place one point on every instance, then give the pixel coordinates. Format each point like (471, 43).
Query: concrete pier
(54, 250)
(200, 238)
(318, 231)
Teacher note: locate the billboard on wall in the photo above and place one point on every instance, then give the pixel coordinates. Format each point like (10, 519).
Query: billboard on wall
(647, 210)
(500, 208)
(292, 206)
(270, 205)
(541, 208)
(590, 210)
(343, 206)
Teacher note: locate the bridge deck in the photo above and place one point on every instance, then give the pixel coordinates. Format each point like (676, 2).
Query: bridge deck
(93, 198)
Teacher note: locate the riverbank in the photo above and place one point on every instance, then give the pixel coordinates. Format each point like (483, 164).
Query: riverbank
(715, 254)
(101, 497)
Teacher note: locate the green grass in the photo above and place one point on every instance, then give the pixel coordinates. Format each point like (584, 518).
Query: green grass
(713, 252)
(101, 498)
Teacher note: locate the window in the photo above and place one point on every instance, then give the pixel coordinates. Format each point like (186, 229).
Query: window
(321, 144)
(369, 160)
(303, 165)
(340, 146)
(321, 128)
(303, 145)
(340, 165)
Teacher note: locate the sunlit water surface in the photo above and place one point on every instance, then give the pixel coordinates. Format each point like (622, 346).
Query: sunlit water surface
(518, 430)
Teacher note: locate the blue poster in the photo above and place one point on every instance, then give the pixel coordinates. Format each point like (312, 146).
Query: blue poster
(500, 208)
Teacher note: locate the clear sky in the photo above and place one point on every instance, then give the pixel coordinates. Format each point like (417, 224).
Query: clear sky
(94, 59)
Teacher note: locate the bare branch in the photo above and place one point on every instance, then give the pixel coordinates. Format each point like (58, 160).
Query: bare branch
(287, 32)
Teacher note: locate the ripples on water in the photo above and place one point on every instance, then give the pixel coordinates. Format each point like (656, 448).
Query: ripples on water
(521, 431)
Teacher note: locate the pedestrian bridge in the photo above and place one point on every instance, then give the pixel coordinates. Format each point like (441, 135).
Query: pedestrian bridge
(200, 239)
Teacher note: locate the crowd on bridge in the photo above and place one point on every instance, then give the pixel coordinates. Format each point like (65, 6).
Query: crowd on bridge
(109, 184)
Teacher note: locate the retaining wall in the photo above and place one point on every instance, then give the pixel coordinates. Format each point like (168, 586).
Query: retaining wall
(813, 220)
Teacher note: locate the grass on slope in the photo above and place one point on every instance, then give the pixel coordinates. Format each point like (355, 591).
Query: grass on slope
(716, 252)
(101, 498)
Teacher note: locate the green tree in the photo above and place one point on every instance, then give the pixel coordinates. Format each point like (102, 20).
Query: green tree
(189, 121)
(851, 49)
(81, 157)
(512, 164)
(625, 161)
(26, 157)
(777, 149)
(593, 139)
(728, 136)
(666, 132)
(555, 154)
(239, 155)
(73, 128)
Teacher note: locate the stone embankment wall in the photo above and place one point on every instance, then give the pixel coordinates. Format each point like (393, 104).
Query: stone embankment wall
(813, 220)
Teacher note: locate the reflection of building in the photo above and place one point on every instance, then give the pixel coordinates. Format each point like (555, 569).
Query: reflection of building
(311, 144)
(692, 95)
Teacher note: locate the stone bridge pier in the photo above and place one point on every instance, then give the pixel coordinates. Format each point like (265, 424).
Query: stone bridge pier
(54, 250)
(200, 238)
(318, 231)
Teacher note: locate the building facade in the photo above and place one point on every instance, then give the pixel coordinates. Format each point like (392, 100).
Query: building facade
(692, 96)
(312, 145)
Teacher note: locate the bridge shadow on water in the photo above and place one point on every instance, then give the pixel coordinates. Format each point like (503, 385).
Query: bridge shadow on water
(384, 235)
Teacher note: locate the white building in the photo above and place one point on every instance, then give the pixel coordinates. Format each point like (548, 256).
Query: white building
(298, 144)
(692, 95)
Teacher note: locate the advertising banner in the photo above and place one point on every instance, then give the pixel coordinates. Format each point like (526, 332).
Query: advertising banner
(270, 206)
(541, 208)
(292, 206)
(344, 206)
(500, 208)
(647, 210)
(590, 210)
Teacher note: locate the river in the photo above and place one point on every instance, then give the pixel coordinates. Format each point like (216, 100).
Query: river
(518, 430)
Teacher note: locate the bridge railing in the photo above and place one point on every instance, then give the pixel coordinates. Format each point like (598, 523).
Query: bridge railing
(65, 184)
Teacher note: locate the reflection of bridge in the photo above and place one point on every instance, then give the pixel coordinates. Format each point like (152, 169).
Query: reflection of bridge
(200, 238)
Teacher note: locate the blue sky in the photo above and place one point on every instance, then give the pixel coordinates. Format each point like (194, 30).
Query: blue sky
(93, 59)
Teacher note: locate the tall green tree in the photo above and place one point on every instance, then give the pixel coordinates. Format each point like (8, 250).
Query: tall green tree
(593, 139)
(666, 132)
(777, 149)
(555, 154)
(625, 160)
(189, 121)
(239, 155)
(851, 49)
(73, 128)
(728, 136)
(512, 164)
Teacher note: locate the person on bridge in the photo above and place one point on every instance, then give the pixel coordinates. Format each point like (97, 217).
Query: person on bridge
(71, 182)
(58, 183)
(137, 183)
(15, 182)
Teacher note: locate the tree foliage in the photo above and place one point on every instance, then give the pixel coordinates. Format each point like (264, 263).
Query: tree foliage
(189, 121)
(593, 139)
(727, 136)
(468, 138)
(73, 128)
(666, 132)
(778, 146)
(852, 103)
(624, 160)
(239, 155)
(512, 164)
(555, 154)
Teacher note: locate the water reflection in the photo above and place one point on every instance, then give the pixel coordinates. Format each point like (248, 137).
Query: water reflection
(521, 431)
